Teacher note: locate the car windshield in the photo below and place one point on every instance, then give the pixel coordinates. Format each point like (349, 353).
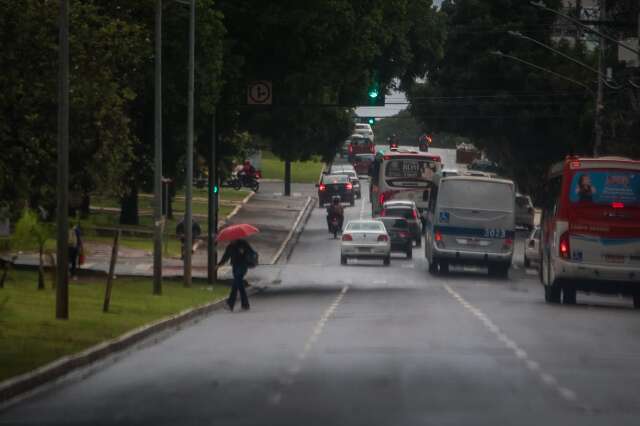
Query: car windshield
(396, 223)
(365, 226)
(335, 179)
(406, 212)
(365, 157)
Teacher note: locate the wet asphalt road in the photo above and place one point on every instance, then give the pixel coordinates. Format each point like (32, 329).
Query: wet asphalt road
(366, 344)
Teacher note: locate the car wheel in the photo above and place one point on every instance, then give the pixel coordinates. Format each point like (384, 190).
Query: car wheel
(527, 262)
(552, 293)
(568, 294)
(343, 260)
(409, 253)
(433, 266)
(387, 260)
(636, 300)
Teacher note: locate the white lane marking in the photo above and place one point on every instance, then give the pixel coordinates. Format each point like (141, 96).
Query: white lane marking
(546, 378)
(276, 397)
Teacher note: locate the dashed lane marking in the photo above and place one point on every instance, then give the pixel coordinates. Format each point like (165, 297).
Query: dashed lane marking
(533, 366)
(294, 370)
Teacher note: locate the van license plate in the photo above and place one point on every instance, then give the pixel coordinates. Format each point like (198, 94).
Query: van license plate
(613, 258)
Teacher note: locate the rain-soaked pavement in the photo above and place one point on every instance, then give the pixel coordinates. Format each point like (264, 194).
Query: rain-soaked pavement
(365, 344)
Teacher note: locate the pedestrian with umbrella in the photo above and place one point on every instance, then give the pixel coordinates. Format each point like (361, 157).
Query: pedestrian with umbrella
(242, 257)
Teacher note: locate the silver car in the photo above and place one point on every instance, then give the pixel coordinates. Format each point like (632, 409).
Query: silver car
(366, 239)
(532, 245)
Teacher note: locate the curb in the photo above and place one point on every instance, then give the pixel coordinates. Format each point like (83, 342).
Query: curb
(307, 214)
(26, 385)
(292, 231)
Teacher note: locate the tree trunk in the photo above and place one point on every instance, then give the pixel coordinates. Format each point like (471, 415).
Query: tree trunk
(129, 207)
(40, 269)
(287, 178)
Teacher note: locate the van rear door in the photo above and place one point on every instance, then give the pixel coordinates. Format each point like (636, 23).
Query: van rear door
(475, 215)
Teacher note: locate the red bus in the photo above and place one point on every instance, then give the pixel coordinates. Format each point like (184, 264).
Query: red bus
(591, 229)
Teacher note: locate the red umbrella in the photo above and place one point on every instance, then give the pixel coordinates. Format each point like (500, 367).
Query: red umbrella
(235, 232)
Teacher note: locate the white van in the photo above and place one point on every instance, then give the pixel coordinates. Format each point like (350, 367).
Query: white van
(470, 219)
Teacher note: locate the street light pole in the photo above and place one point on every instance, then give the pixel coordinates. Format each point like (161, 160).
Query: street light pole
(62, 211)
(188, 243)
(157, 172)
(212, 250)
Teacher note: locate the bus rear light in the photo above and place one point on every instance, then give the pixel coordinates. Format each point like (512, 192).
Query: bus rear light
(438, 239)
(574, 165)
(617, 205)
(564, 246)
(383, 238)
(347, 237)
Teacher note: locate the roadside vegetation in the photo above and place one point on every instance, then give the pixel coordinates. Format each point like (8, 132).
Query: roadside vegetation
(30, 336)
(301, 171)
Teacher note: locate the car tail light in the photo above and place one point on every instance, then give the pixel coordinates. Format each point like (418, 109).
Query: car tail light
(381, 198)
(383, 238)
(564, 247)
(617, 205)
(403, 234)
(382, 212)
(507, 243)
(347, 237)
(414, 214)
(372, 148)
(322, 187)
(350, 148)
(349, 186)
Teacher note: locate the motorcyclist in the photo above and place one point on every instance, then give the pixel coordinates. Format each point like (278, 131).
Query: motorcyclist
(335, 210)
(248, 172)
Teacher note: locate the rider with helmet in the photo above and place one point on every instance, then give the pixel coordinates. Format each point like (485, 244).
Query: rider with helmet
(335, 210)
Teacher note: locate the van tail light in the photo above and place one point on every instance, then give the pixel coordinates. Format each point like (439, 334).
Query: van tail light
(507, 244)
(438, 239)
(564, 247)
(347, 237)
(383, 238)
(349, 186)
(617, 205)
(322, 187)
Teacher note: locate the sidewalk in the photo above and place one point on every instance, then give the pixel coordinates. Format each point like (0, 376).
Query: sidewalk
(269, 211)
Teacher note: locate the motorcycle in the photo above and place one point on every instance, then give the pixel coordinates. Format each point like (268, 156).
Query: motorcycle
(237, 181)
(334, 226)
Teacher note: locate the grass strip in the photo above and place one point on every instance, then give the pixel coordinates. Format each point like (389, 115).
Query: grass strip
(301, 171)
(30, 336)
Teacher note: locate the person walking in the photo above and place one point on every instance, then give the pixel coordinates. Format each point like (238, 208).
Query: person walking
(242, 256)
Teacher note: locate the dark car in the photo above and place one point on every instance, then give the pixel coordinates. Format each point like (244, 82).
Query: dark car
(332, 185)
(406, 209)
(362, 162)
(399, 234)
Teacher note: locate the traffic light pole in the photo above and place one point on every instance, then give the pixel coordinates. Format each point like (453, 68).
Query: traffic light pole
(212, 249)
(157, 170)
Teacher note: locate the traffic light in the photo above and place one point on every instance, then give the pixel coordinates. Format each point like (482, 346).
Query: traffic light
(371, 121)
(215, 188)
(374, 94)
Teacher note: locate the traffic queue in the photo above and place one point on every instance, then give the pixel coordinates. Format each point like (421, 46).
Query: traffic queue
(586, 239)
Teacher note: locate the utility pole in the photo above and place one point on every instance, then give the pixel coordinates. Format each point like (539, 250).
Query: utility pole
(188, 240)
(157, 171)
(212, 250)
(62, 210)
(597, 144)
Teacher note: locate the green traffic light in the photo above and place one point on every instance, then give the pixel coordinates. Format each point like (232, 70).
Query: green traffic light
(372, 121)
(373, 93)
(215, 189)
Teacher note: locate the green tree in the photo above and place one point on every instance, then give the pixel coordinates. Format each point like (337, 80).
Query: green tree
(31, 231)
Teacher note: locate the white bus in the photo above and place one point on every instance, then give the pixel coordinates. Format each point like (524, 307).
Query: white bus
(403, 175)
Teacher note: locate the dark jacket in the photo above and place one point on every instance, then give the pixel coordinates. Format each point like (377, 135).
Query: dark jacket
(235, 252)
